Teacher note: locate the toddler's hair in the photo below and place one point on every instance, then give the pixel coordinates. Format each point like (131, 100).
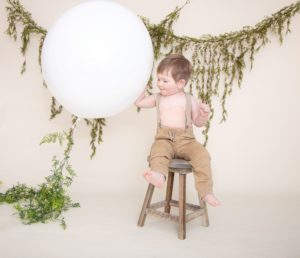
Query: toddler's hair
(178, 65)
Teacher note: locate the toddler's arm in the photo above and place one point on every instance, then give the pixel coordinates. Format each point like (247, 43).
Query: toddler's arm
(144, 101)
(200, 113)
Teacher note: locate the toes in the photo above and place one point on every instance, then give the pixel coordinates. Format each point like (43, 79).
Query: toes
(212, 202)
(147, 173)
(154, 178)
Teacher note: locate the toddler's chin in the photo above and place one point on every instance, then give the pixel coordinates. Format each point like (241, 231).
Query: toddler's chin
(166, 93)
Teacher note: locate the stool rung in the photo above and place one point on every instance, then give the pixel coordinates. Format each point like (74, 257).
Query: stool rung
(157, 205)
(194, 215)
(163, 215)
(189, 206)
(174, 203)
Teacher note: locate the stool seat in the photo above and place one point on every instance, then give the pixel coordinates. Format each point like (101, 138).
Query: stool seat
(180, 164)
(182, 168)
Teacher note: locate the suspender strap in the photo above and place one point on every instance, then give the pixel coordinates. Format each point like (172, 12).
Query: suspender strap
(188, 111)
(157, 109)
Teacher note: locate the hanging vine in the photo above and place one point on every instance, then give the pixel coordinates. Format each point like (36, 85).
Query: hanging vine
(18, 15)
(218, 61)
(215, 57)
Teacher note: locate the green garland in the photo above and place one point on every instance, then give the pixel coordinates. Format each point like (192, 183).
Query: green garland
(48, 201)
(218, 61)
(18, 15)
(215, 57)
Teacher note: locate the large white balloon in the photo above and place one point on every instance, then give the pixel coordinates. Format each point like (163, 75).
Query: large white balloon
(97, 59)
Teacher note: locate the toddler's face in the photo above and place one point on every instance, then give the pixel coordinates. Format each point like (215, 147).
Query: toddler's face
(166, 84)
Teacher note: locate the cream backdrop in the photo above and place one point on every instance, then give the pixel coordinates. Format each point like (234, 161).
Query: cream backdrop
(255, 152)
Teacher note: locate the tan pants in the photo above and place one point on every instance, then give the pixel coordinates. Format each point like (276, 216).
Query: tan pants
(180, 143)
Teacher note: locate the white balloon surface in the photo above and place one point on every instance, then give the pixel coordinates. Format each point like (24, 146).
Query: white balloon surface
(97, 59)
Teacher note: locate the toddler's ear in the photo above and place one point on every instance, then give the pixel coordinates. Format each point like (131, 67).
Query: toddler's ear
(181, 83)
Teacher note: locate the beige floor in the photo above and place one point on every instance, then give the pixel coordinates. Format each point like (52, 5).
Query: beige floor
(105, 226)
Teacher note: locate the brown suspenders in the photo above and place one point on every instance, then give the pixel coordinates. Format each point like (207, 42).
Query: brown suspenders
(188, 111)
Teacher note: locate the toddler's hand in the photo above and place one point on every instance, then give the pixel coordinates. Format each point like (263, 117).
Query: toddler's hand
(204, 109)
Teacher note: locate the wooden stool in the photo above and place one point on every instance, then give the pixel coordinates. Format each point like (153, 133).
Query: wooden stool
(182, 168)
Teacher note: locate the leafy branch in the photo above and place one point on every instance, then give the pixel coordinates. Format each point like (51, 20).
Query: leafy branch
(17, 14)
(95, 133)
(49, 200)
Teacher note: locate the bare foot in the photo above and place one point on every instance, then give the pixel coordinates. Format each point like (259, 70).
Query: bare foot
(211, 200)
(155, 178)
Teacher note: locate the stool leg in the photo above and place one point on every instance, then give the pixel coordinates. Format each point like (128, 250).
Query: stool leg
(169, 192)
(205, 220)
(146, 204)
(182, 223)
